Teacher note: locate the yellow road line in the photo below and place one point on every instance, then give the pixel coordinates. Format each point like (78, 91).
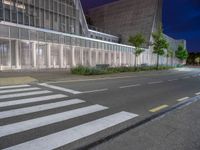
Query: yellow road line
(158, 108)
(182, 99)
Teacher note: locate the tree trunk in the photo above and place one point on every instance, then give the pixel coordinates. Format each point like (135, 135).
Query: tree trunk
(167, 61)
(172, 61)
(157, 66)
(135, 61)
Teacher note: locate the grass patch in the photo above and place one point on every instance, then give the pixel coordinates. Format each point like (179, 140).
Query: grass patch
(80, 70)
(16, 80)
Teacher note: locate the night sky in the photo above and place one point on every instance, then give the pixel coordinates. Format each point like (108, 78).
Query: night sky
(181, 19)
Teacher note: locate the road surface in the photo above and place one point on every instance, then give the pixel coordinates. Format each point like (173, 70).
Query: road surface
(82, 114)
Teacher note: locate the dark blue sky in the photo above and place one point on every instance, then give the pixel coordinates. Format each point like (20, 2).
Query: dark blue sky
(181, 19)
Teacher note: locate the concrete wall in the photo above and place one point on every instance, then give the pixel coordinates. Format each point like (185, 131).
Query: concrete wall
(128, 17)
(174, 43)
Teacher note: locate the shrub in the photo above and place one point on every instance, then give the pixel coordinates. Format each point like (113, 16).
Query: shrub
(87, 71)
(80, 70)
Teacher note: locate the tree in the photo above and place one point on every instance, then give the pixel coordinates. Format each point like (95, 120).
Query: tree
(159, 44)
(137, 41)
(181, 53)
(191, 58)
(170, 54)
(197, 60)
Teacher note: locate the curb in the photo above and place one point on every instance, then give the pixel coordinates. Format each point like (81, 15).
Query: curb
(140, 123)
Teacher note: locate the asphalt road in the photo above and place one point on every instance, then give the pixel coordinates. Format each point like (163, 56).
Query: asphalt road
(71, 115)
(176, 130)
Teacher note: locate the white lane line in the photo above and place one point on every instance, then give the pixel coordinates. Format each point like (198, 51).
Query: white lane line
(197, 93)
(182, 99)
(24, 94)
(195, 76)
(47, 120)
(172, 80)
(185, 77)
(94, 91)
(28, 110)
(31, 100)
(158, 82)
(129, 86)
(14, 86)
(60, 88)
(98, 79)
(18, 90)
(67, 136)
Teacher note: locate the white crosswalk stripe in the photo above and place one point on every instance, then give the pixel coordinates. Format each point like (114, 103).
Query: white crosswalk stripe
(13, 86)
(27, 110)
(67, 136)
(55, 139)
(31, 100)
(60, 88)
(24, 94)
(42, 121)
(18, 90)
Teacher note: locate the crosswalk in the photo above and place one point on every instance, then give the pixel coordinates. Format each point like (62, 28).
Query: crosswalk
(60, 88)
(27, 110)
(26, 100)
(14, 86)
(24, 94)
(18, 90)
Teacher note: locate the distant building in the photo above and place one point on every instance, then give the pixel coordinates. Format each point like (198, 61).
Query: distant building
(129, 17)
(45, 34)
(175, 43)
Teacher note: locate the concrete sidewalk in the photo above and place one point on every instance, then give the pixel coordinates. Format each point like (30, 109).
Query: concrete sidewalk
(179, 130)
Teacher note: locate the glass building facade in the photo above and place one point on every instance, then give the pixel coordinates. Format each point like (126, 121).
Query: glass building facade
(24, 47)
(57, 15)
(44, 34)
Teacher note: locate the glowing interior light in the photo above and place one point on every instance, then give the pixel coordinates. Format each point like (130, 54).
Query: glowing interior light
(20, 6)
(6, 2)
